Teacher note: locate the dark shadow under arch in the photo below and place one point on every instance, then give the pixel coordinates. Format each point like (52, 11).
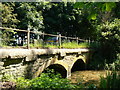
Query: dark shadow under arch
(78, 65)
(58, 69)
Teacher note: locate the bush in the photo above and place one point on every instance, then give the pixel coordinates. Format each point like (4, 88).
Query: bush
(46, 80)
(23, 83)
(115, 65)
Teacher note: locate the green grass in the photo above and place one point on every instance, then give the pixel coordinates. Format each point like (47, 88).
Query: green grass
(73, 45)
(3, 45)
(51, 46)
(68, 45)
(36, 45)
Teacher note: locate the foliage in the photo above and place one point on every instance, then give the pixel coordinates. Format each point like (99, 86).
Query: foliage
(65, 19)
(97, 62)
(46, 80)
(110, 39)
(8, 17)
(30, 17)
(95, 9)
(8, 20)
(115, 65)
(108, 49)
(51, 46)
(112, 81)
(23, 83)
(74, 45)
(69, 45)
(36, 45)
(7, 77)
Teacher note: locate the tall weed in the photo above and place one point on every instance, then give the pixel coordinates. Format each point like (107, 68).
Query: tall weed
(112, 80)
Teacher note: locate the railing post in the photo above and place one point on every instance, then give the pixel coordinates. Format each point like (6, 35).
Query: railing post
(0, 37)
(89, 40)
(43, 43)
(0, 23)
(28, 39)
(77, 40)
(59, 40)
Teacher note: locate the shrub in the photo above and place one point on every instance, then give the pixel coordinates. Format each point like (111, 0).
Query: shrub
(23, 83)
(46, 80)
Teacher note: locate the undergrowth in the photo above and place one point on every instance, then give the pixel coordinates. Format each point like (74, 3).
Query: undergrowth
(44, 81)
(111, 81)
(52, 81)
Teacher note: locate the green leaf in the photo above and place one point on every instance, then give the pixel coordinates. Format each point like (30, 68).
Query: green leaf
(92, 16)
(108, 6)
(79, 5)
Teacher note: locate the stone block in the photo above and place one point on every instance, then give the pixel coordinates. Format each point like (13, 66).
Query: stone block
(2, 68)
(1, 63)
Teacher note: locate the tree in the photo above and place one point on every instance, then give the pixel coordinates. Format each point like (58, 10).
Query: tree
(95, 10)
(8, 20)
(104, 17)
(110, 39)
(65, 19)
(30, 16)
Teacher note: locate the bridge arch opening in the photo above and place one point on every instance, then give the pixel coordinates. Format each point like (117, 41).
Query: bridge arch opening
(78, 65)
(57, 69)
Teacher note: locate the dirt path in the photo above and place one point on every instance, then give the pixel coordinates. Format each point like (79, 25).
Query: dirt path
(87, 77)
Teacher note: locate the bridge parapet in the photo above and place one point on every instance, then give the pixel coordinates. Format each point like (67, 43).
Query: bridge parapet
(31, 62)
(19, 53)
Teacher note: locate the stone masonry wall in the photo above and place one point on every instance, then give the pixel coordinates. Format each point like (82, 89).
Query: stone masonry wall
(20, 67)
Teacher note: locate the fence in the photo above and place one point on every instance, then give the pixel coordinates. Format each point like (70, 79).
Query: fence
(28, 32)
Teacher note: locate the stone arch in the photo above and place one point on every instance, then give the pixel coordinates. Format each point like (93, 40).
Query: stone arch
(78, 65)
(63, 66)
(59, 68)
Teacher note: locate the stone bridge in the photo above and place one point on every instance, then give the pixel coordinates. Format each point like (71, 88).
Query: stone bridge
(31, 63)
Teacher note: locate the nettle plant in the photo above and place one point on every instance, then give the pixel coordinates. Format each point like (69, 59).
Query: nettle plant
(46, 80)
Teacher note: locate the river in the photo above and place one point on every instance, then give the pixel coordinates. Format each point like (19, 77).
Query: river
(87, 77)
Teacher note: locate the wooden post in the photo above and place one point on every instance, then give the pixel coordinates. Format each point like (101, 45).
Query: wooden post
(43, 35)
(0, 37)
(86, 41)
(77, 40)
(43, 43)
(0, 23)
(28, 39)
(89, 41)
(59, 40)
